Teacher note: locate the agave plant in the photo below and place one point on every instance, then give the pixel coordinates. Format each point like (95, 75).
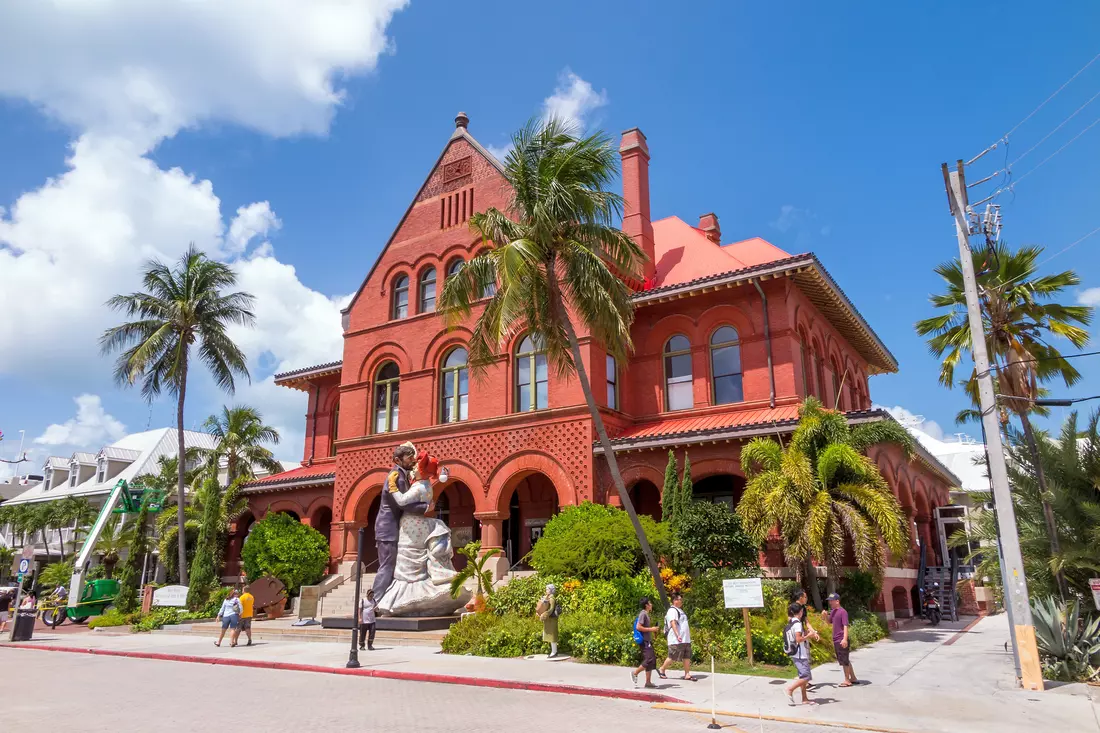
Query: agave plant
(1069, 644)
(475, 568)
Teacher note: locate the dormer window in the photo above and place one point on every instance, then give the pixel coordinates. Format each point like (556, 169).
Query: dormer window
(101, 471)
(74, 471)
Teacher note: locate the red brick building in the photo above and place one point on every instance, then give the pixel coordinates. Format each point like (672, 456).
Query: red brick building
(728, 339)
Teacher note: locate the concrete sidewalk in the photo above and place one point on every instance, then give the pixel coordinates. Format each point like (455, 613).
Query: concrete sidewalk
(920, 679)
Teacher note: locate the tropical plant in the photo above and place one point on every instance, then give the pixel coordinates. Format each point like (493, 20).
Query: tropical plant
(57, 519)
(553, 253)
(280, 546)
(670, 492)
(179, 308)
(241, 433)
(709, 535)
(204, 575)
(58, 573)
(7, 557)
(79, 513)
(687, 488)
(1069, 643)
(233, 504)
(1071, 464)
(822, 492)
(475, 568)
(593, 541)
(1020, 321)
(115, 537)
(130, 577)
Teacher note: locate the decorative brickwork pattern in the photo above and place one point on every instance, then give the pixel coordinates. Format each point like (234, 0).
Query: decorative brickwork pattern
(459, 167)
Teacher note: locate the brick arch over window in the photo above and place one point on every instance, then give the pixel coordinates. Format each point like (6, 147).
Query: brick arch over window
(379, 355)
(666, 328)
(284, 505)
(724, 315)
(635, 473)
(463, 472)
(321, 502)
(715, 467)
(363, 491)
(505, 475)
(442, 342)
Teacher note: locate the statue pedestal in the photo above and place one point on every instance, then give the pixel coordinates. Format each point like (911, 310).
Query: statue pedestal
(416, 623)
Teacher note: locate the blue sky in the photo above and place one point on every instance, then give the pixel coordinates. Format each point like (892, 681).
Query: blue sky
(291, 143)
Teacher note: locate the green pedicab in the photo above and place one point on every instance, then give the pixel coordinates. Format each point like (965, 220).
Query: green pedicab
(98, 596)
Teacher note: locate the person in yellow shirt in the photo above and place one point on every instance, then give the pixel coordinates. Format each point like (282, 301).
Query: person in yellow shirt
(245, 625)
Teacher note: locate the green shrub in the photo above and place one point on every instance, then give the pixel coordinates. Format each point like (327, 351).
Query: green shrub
(520, 595)
(592, 541)
(709, 535)
(214, 603)
(113, 617)
(777, 595)
(465, 636)
(599, 639)
(155, 619)
(858, 590)
(55, 574)
(864, 630)
(278, 545)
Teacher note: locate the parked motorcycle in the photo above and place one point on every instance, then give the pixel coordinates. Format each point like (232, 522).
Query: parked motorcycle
(930, 607)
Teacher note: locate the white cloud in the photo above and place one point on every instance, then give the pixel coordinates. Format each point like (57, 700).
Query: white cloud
(145, 70)
(254, 220)
(789, 217)
(909, 419)
(573, 99)
(91, 428)
(1089, 296)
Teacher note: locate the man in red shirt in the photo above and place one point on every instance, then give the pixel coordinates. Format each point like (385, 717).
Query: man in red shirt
(838, 617)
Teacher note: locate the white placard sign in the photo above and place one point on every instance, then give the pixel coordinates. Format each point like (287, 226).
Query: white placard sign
(743, 593)
(1094, 584)
(170, 595)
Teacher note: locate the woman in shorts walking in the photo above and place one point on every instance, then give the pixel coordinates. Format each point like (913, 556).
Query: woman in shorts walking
(230, 616)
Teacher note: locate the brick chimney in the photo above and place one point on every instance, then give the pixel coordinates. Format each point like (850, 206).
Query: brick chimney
(709, 224)
(635, 156)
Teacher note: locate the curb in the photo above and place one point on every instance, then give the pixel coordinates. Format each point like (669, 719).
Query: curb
(775, 718)
(444, 679)
(964, 630)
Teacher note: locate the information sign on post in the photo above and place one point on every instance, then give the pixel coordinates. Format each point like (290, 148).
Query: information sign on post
(170, 595)
(744, 593)
(1094, 584)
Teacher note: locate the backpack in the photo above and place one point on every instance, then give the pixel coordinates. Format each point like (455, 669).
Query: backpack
(790, 644)
(555, 611)
(667, 627)
(638, 638)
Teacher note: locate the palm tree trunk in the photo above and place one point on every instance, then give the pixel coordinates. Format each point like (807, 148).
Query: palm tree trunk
(181, 464)
(605, 442)
(1048, 511)
(811, 580)
(60, 543)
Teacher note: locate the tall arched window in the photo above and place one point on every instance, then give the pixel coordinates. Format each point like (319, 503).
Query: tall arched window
(455, 266)
(427, 290)
(612, 383)
(725, 366)
(400, 307)
(335, 427)
(532, 379)
(386, 392)
(678, 373)
(804, 355)
(454, 391)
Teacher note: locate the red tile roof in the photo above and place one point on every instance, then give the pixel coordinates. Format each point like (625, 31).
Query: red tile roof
(683, 426)
(318, 473)
(682, 253)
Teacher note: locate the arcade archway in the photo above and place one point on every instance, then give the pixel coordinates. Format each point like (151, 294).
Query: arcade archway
(646, 498)
(528, 502)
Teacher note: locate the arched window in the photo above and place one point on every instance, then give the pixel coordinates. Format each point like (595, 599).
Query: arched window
(532, 379)
(804, 355)
(443, 509)
(454, 391)
(488, 289)
(678, 374)
(427, 290)
(386, 391)
(335, 427)
(455, 267)
(725, 366)
(612, 383)
(400, 297)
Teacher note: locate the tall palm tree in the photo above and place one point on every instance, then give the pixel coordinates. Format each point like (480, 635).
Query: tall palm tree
(181, 309)
(555, 254)
(79, 513)
(241, 433)
(57, 518)
(822, 492)
(1020, 318)
(116, 536)
(167, 525)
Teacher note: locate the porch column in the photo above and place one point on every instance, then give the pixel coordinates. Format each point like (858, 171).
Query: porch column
(492, 536)
(349, 541)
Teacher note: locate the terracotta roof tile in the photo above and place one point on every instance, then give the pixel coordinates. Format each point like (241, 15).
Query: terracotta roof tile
(319, 472)
(706, 423)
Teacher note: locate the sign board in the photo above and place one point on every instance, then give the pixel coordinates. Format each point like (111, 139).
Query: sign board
(28, 551)
(461, 536)
(743, 593)
(170, 595)
(24, 566)
(1094, 584)
(536, 522)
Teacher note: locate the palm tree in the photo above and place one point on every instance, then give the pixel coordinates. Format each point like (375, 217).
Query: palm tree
(38, 520)
(554, 253)
(240, 432)
(80, 513)
(7, 557)
(1019, 321)
(116, 536)
(821, 492)
(167, 525)
(178, 309)
(232, 504)
(57, 518)
(475, 568)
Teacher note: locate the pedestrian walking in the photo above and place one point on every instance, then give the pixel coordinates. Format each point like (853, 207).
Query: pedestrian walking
(548, 611)
(29, 601)
(5, 609)
(230, 616)
(248, 604)
(838, 617)
(643, 637)
(796, 644)
(678, 632)
(368, 607)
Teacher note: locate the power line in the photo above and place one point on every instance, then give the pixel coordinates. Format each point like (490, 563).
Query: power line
(997, 367)
(1056, 129)
(1068, 143)
(1048, 259)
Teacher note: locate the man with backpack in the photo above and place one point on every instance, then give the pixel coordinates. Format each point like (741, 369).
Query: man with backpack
(643, 637)
(796, 644)
(678, 633)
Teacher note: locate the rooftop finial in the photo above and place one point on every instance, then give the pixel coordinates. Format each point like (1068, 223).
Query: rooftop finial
(462, 120)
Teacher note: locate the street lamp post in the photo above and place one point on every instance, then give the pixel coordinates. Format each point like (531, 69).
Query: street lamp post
(353, 658)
